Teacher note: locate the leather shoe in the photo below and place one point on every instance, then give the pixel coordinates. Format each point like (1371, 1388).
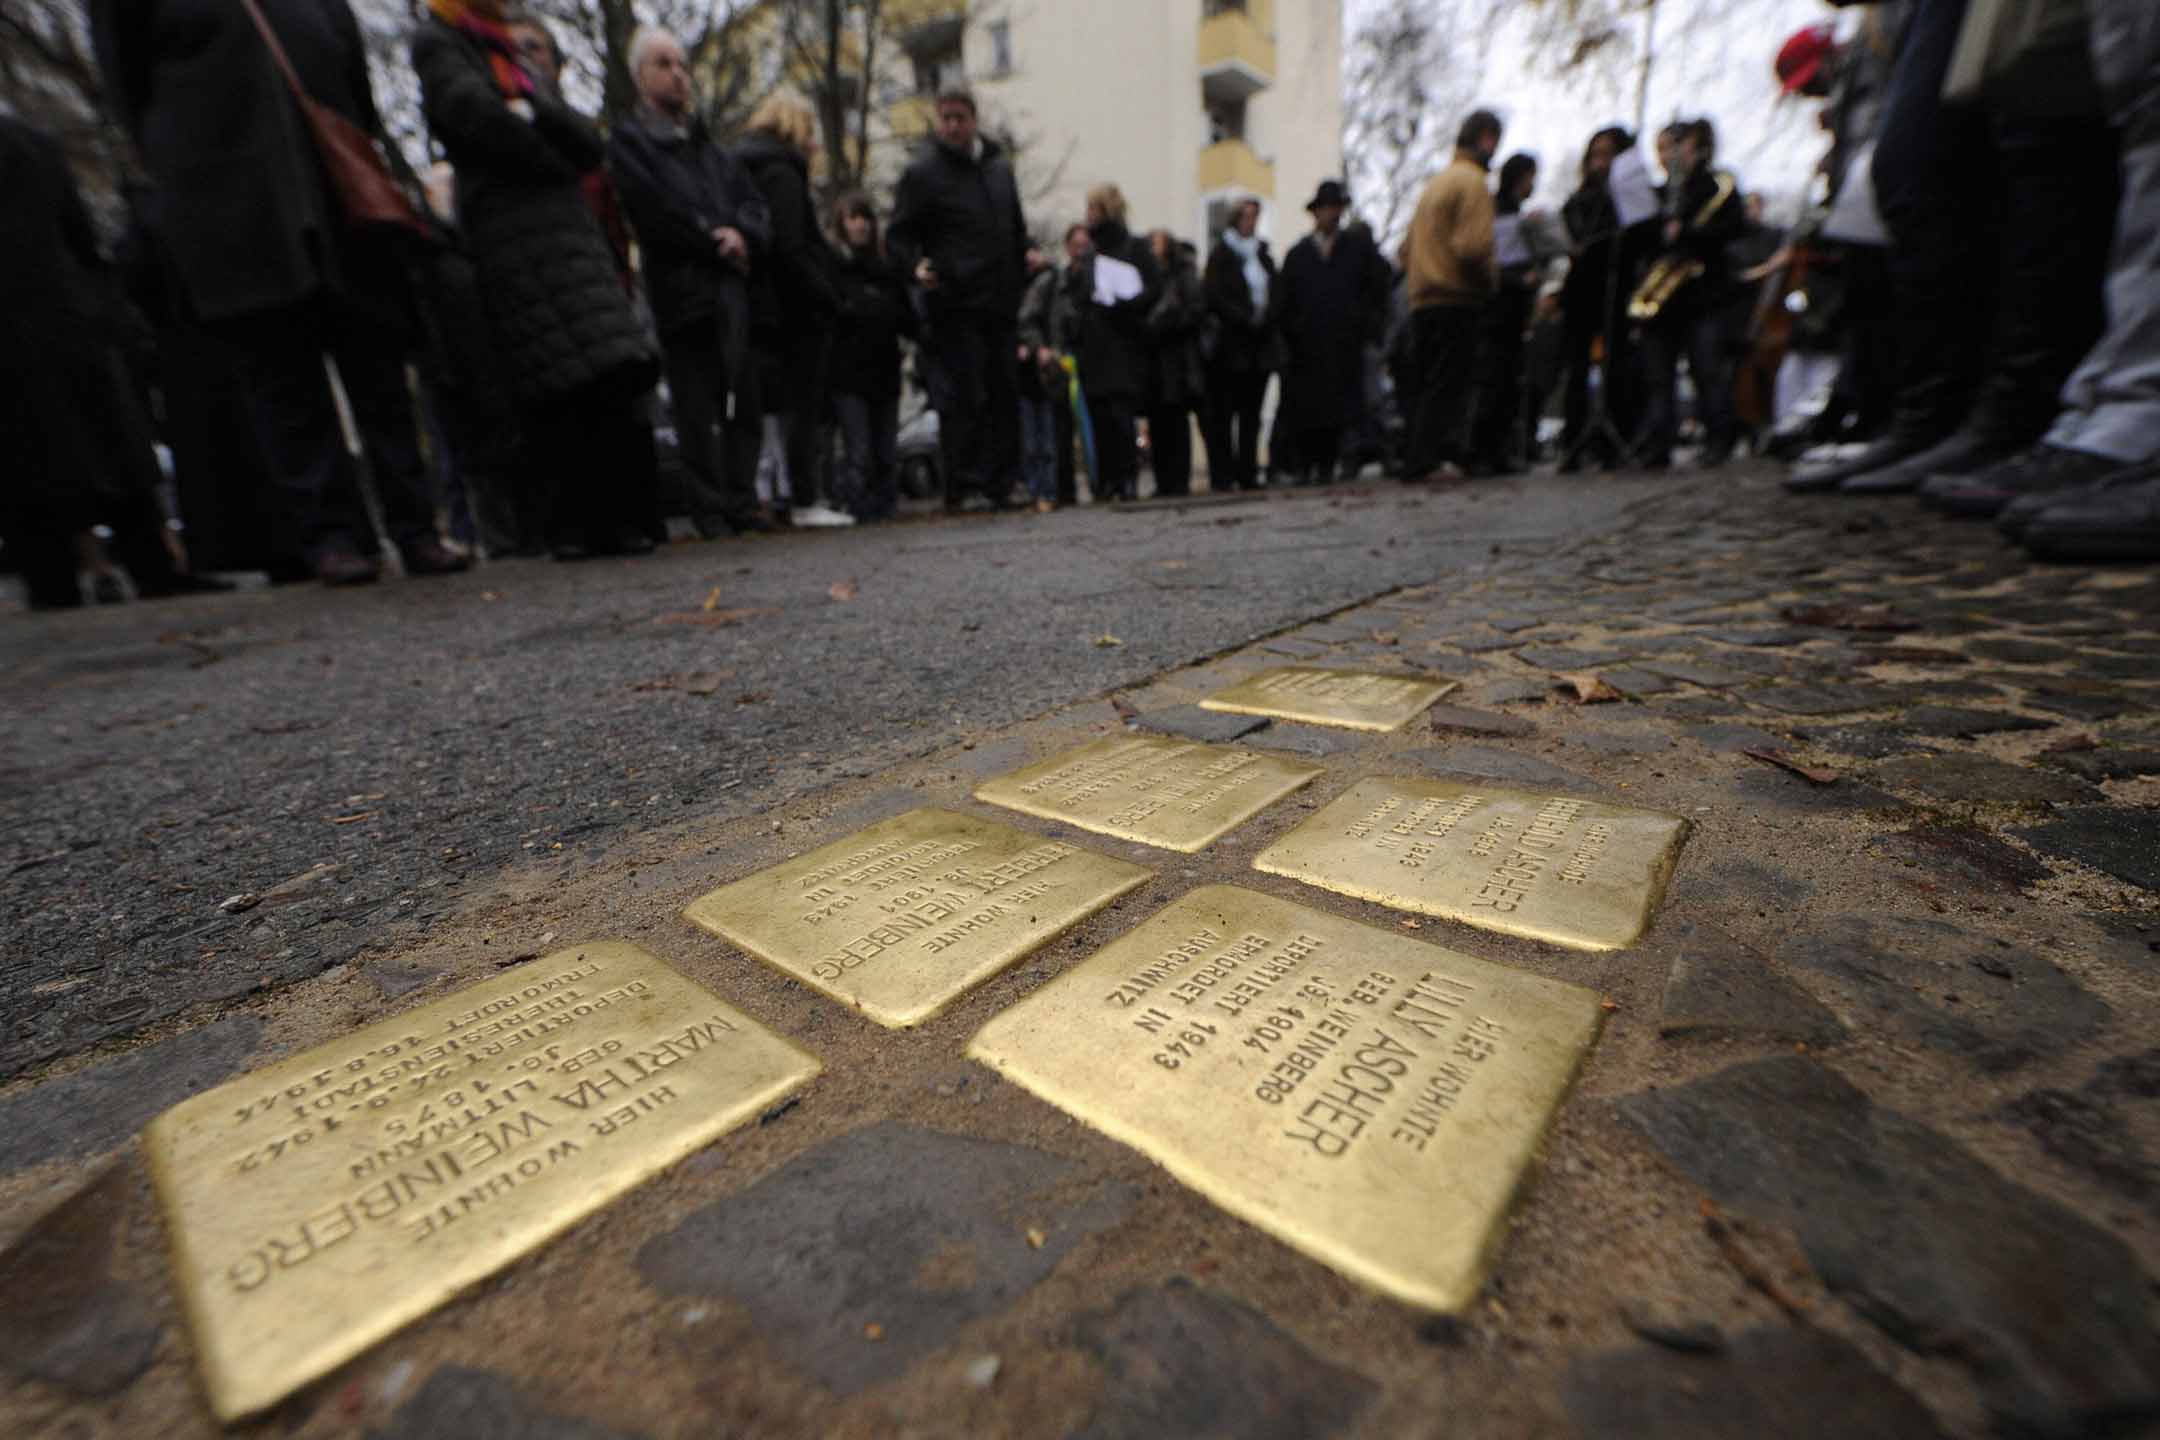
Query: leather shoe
(2042, 470)
(2121, 523)
(1961, 454)
(1889, 450)
(2022, 511)
(429, 556)
(346, 567)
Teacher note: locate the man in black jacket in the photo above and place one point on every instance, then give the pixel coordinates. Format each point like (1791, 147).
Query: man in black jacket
(958, 227)
(701, 224)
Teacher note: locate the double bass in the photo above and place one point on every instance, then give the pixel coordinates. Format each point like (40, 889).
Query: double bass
(1778, 305)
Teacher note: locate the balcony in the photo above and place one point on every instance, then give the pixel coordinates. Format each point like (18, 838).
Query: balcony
(1231, 165)
(926, 25)
(1237, 55)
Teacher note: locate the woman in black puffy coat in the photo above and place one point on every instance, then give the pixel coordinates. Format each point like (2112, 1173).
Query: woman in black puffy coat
(578, 361)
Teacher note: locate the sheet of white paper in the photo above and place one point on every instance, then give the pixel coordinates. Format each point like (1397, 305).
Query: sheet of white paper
(1633, 194)
(1115, 280)
(1510, 245)
(1854, 218)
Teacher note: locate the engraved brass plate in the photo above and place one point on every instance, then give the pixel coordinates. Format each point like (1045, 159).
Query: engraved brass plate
(898, 919)
(1173, 794)
(316, 1206)
(1574, 872)
(1353, 699)
(1370, 1100)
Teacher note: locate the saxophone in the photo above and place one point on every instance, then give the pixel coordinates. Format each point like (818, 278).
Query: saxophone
(1673, 270)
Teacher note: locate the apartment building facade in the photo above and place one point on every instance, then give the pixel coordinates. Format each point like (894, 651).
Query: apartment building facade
(1187, 105)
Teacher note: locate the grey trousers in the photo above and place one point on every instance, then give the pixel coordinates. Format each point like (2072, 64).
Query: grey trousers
(2111, 403)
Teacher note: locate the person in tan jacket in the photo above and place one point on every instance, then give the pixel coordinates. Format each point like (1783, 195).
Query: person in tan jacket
(1451, 277)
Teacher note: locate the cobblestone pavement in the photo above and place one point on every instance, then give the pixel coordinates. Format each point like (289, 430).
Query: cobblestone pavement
(1870, 1145)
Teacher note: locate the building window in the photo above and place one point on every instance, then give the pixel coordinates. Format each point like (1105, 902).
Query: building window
(1226, 120)
(936, 69)
(1001, 59)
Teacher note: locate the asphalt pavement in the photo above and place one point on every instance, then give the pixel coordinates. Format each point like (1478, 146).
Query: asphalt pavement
(160, 761)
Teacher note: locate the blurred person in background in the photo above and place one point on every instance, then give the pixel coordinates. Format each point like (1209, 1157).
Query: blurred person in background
(579, 362)
(1240, 283)
(1326, 302)
(1178, 328)
(865, 369)
(1111, 292)
(960, 233)
(702, 228)
(260, 252)
(792, 300)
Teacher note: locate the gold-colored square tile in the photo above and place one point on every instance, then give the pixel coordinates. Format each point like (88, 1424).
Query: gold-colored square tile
(1550, 867)
(898, 919)
(317, 1205)
(1352, 699)
(1172, 794)
(1368, 1099)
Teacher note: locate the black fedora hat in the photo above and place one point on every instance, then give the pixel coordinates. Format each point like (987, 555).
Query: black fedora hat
(1331, 192)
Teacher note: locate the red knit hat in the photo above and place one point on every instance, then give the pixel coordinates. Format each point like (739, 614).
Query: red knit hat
(1801, 59)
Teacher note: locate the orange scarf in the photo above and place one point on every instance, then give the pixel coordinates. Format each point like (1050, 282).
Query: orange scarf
(510, 76)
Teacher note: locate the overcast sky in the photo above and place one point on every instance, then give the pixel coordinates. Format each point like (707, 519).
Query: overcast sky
(1723, 71)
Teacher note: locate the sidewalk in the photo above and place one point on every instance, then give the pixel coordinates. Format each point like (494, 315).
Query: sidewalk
(1867, 1146)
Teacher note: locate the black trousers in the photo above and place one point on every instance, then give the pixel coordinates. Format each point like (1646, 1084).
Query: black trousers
(798, 397)
(1447, 339)
(2000, 226)
(1691, 328)
(1117, 465)
(1068, 482)
(315, 496)
(719, 449)
(595, 449)
(1496, 434)
(971, 387)
(1170, 441)
(1230, 427)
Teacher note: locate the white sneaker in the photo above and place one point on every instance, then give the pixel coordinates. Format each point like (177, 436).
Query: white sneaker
(822, 516)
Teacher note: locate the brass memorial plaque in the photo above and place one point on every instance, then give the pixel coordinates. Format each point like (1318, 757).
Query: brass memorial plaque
(1370, 1100)
(1574, 872)
(316, 1206)
(898, 919)
(1173, 794)
(1353, 699)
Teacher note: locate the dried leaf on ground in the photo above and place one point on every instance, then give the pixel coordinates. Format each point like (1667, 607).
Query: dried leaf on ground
(710, 618)
(1850, 617)
(1107, 642)
(1783, 761)
(1584, 688)
(753, 697)
(2070, 744)
(712, 599)
(702, 684)
(1124, 708)
(1915, 655)
(843, 590)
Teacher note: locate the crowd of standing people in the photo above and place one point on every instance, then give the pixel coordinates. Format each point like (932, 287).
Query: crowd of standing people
(329, 364)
